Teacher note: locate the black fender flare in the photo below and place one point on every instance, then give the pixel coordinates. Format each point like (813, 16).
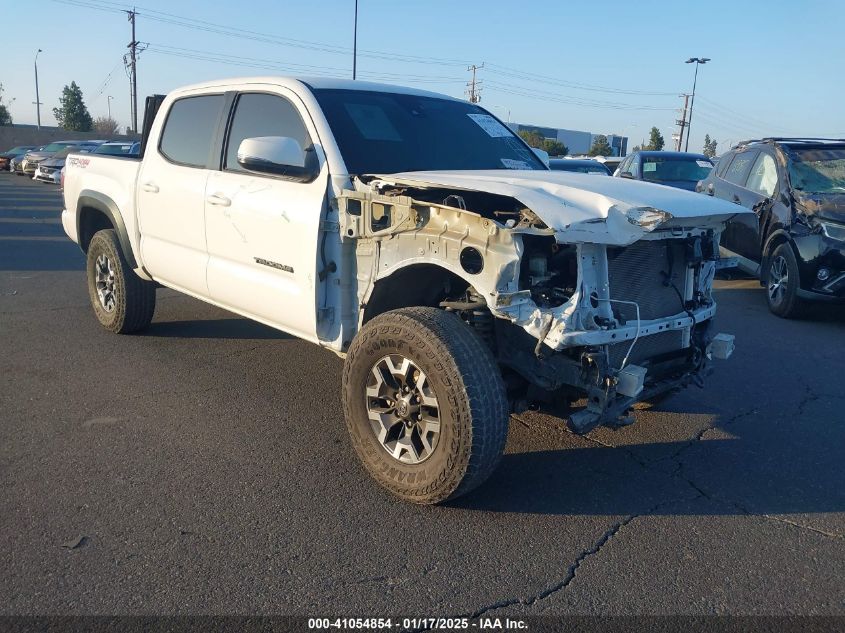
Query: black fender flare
(767, 246)
(102, 203)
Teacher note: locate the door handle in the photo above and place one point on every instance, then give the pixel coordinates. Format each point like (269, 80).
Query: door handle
(150, 187)
(218, 201)
(736, 199)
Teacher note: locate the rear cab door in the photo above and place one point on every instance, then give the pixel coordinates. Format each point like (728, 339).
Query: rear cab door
(263, 230)
(730, 186)
(171, 190)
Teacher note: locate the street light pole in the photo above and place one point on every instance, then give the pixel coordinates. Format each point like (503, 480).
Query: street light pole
(37, 98)
(697, 61)
(108, 99)
(355, 44)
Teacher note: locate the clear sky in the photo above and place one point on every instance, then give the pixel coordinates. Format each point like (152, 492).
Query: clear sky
(600, 65)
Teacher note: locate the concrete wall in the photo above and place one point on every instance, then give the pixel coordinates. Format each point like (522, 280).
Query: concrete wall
(12, 135)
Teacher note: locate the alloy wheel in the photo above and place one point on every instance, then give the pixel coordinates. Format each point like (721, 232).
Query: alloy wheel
(104, 280)
(403, 409)
(778, 280)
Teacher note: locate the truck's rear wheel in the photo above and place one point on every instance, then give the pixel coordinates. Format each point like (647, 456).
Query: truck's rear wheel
(425, 404)
(122, 301)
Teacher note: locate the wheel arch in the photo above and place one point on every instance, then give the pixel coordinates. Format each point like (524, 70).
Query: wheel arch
(394, 290)
(96, 211)
(775, 238)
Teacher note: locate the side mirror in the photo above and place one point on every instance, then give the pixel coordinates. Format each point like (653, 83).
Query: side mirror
(626, 174)
(543, 155)
(279, 155)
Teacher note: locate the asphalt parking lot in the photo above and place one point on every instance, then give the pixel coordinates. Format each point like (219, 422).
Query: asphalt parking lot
(204, 467)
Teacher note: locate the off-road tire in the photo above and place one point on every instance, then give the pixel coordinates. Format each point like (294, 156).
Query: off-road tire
(791, 306)
(134, 298)
(468, 385)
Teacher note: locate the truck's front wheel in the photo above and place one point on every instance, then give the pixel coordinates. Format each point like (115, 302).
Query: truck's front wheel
(425, 404)
(122, 301)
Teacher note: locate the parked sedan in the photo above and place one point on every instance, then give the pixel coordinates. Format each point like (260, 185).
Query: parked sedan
(8, 155)
(682, 170)
(33, 158)
(581, 166)
(49, 169)
(795, 240)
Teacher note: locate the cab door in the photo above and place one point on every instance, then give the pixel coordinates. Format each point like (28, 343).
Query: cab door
(263, 230)
(171, 193)
(731, 187)
(757, 195)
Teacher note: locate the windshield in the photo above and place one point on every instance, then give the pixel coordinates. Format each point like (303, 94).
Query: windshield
(818, 170)
(54, 147)
(675, 168)
(384, 133)
(585, 168)
(123, 149)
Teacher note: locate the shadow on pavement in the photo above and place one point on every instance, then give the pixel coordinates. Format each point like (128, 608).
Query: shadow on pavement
(788, 466)
(234, 328)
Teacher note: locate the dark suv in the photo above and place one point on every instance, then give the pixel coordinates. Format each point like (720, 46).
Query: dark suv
(795, 241)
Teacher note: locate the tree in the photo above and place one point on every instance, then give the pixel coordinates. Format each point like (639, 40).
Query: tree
(600, 147)
(535, 139)
(709, 146)
(532, 137)
(5, 116)
(73, 115)
(106, 126)
(655, 141)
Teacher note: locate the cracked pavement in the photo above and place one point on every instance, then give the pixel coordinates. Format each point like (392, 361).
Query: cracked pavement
(206, 468)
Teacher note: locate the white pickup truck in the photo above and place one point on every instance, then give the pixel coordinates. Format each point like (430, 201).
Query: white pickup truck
(416, 236)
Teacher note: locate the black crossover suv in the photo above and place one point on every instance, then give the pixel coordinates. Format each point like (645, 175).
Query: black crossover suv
(795, 241)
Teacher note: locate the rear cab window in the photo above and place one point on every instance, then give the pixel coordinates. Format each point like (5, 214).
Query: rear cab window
(189, 130)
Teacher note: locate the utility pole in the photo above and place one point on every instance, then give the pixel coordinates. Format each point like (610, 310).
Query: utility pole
(354, 44)
(474, 87)
(37, 98)
(108, 99)
(682, 124)
(133, 72)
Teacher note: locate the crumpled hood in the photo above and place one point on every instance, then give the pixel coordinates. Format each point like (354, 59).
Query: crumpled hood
(581, 207)
(825, 206)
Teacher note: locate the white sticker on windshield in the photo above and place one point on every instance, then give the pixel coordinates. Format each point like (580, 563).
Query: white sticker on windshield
(703, 163)
(490, 125)
(510, 163)
(649, 166)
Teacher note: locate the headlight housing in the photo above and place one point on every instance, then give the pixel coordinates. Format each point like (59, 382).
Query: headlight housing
(647, 217)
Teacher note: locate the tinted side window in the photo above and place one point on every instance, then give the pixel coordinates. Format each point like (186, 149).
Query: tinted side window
(764, 176)
(189, 129)
(738, 170)
(722, 165)
(263, 115)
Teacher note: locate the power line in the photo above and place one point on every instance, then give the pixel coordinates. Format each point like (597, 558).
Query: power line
(559, 98)
(512, 72)
(252, 62)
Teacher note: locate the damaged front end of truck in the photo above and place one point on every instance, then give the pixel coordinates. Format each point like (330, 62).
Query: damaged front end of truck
(585, 292)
